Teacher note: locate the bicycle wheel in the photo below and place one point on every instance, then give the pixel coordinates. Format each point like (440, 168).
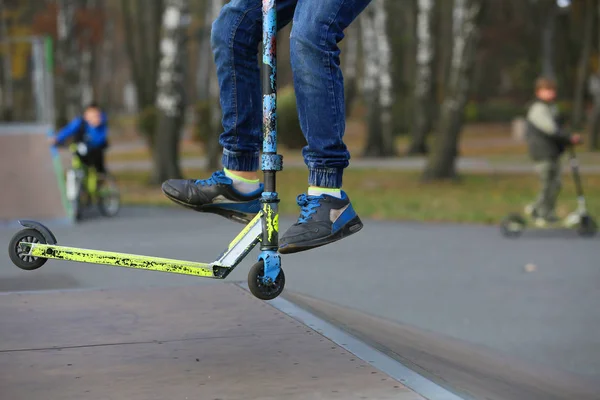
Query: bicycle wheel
(109, 198)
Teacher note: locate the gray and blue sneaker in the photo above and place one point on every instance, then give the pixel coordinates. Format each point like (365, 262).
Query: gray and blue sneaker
(214, 195)
(323, 219)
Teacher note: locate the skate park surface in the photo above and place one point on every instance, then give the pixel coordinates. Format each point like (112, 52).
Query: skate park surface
(448, 310)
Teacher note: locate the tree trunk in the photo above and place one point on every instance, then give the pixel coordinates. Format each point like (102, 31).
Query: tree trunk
(595, 91)
(7, 84)
(444, 45)
(402, 37)
(203, 73)
(170, 99)
(548, 44)
(350, 67)
(87, 62)
(213, 153)
(385, 79)
(106, 60)
(467, 16)
(595, 124)
(582, 68)
(378, 82)
(68, 93)
(424, 87)
(142, 38)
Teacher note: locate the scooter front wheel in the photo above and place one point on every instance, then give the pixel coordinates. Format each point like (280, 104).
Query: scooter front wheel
(512, 225)
(19, 255)
(262, 287)
(587, 226)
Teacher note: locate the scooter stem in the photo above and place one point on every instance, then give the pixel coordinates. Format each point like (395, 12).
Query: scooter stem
(577, 179)
(271, 161)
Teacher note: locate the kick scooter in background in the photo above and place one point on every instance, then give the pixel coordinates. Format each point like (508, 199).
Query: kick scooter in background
(514, 224)
(31, 247)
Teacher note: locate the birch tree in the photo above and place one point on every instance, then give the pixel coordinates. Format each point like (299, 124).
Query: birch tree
(170, 99)
(377, 81)
(467, 16)
(424, 85)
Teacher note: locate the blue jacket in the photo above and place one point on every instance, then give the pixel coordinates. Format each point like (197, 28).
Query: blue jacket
(93, 137)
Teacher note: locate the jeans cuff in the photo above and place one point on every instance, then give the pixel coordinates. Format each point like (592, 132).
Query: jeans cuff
(240, 161)
(326, 177)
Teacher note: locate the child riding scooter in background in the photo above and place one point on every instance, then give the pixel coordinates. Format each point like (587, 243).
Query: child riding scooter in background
(547, 140)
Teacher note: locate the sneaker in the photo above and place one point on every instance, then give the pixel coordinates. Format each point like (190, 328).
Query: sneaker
(214, 195)
(542, 222)
(323, 219)
(530, 210)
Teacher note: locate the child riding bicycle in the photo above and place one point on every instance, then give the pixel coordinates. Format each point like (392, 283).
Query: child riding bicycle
(90, 133)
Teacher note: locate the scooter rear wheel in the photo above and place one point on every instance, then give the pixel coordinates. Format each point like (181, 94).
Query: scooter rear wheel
(512, 225)
(19, 256)
(587, 226)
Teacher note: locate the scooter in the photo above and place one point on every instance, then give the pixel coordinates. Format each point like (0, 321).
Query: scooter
(514, 224)
(31, 247)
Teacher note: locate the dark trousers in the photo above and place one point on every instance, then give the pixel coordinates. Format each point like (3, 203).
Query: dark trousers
(94, 158)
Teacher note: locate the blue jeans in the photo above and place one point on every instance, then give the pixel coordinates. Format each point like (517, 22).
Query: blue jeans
(318, 27)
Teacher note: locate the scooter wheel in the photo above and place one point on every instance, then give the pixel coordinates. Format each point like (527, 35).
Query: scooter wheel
(512, 225)
(19, 256)
(259, 286)
(587, 226)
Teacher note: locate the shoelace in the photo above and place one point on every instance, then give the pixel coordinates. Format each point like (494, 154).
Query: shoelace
(216, 178)
(308, 206)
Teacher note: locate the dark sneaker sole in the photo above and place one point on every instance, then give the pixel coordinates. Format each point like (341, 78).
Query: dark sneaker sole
(235, 216)
(350, 228)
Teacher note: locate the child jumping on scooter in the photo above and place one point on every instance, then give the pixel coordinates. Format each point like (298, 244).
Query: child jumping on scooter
(326, 214)
(92, 130)
(547, 139)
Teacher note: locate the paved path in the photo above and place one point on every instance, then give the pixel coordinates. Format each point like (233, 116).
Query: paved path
(464, 282)
(403, 164)
(467, 164)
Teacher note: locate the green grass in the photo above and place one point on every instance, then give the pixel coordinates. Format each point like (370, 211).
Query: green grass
(398, 195)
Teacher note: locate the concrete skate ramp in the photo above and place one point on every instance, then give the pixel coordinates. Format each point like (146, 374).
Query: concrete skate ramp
(475, 372)
(211, 342)
(30, 188)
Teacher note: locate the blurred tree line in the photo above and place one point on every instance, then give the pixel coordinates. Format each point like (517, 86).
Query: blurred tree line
(421, 68)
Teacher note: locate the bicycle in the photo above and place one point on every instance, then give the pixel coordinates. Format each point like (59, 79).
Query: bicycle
(84, 186)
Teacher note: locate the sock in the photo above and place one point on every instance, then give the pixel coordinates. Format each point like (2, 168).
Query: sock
(242, 185)
(317, 191)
